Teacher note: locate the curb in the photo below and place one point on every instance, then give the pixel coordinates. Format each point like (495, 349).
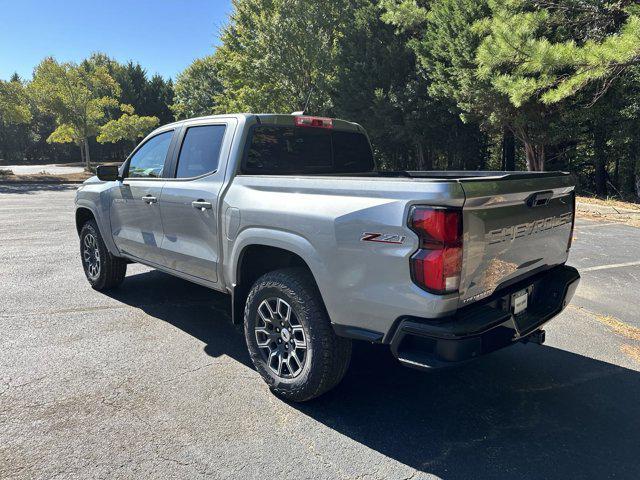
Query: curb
(606, 210)
(41, 182)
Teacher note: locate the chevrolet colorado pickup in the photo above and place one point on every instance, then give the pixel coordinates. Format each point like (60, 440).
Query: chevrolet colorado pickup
(289, 215)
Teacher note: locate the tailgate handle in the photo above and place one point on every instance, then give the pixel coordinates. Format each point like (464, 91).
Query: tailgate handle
(539, 199)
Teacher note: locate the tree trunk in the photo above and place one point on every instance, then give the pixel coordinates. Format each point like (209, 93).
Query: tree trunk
(81, 146)
(420, 152)
(600, 160)
(508, 151)
(86, 154)
(535, 157)
(429, 157)
(635, 169)
(627, 171)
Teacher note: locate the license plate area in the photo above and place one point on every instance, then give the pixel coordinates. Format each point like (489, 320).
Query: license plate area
(523, 320)
(519, 302)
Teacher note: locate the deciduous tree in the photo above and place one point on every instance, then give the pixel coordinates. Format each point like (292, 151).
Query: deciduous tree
(14, 103)
(196, 89)
(280, 55)
(129, 127)
(78, 96)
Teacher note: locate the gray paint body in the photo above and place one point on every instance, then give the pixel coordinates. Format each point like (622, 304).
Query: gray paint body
(322, 219)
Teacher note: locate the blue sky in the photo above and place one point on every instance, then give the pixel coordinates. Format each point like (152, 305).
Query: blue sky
(164, 36)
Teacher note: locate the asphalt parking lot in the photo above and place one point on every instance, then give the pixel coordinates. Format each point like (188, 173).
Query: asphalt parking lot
(152, 380)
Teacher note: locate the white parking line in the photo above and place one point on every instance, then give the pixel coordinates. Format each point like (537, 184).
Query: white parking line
(613, 265)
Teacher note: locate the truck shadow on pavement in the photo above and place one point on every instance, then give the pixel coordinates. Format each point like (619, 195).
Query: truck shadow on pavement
(201, 312)
(30, 188)
(525, 412)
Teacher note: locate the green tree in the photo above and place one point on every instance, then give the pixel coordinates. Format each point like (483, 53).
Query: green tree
(129, 127)
(546, 56)
(518, 65)
(159, 98)
(442, 36)
(528, 53)
(148, 96)
(15, 115)
(279, 55)
(14, 103)
(78, 97)
(630, 140)
(379, 84)
(196, 89)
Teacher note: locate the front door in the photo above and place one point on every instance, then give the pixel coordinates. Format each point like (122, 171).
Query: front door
(135, 212)
(189, 202)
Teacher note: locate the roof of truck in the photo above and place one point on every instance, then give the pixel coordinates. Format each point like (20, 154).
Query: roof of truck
(270, 118)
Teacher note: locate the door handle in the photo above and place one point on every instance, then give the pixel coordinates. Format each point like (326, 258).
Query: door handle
(149, 199)
(202, 205)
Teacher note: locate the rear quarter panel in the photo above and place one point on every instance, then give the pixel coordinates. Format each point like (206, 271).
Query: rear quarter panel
(323, 219)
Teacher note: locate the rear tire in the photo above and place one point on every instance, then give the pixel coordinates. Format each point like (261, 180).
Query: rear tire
(284, 309)
(102, 269)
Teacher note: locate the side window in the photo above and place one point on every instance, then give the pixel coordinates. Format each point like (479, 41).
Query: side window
(148, 161)
(200, 151)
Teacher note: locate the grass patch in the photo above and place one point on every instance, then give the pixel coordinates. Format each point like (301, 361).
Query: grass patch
(46, 178)
(631, 351)
(613, 323)
(609, 202)
(617, 211)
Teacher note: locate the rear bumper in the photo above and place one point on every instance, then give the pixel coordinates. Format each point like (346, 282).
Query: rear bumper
(486, 326)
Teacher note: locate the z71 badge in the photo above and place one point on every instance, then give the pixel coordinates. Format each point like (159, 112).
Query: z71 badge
(382, 238)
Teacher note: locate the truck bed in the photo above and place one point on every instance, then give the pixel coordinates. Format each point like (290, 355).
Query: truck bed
(450, 175)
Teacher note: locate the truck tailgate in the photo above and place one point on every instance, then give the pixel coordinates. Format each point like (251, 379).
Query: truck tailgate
(514, 225)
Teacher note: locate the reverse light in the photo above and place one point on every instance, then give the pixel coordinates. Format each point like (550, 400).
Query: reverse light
(437, 265)
(315, 122)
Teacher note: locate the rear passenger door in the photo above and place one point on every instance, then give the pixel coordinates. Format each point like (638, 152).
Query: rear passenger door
(189, 201)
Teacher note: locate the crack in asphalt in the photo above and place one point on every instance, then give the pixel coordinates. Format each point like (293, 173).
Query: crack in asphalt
(8, 386)
(152, 432)
(185, 372)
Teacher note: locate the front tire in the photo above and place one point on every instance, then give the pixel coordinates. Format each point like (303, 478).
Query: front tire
(103, 270)
(290, 338)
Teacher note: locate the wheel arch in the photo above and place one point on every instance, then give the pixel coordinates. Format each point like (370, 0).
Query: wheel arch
(85, 211)
(83, 215)
(252, 259)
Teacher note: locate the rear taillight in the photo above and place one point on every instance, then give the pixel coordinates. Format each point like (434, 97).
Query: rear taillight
(316, 122)
(437, 264)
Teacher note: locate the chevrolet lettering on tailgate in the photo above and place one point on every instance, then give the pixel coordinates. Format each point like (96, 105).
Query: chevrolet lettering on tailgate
(525, 229)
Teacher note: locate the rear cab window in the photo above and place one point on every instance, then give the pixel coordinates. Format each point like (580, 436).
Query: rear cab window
(200, 151)
(290, 150)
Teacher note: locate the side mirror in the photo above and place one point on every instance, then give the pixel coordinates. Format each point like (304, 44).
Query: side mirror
(107, 173)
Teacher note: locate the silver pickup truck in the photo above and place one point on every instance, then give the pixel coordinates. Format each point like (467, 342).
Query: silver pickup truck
(289, 215)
